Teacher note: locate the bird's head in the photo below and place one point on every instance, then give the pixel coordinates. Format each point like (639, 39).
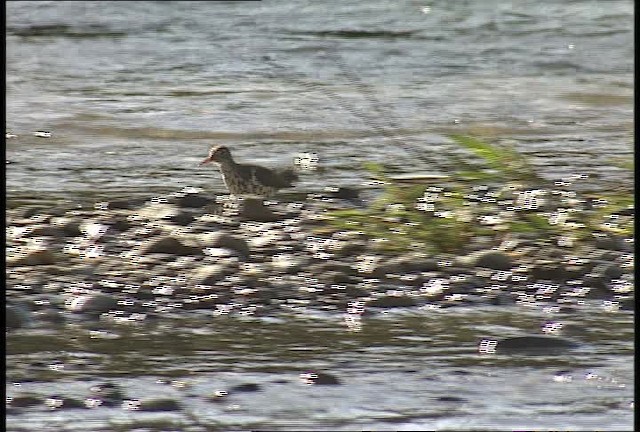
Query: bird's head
(219, 154)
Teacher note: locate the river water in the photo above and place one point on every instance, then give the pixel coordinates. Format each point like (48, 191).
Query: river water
(133, 95)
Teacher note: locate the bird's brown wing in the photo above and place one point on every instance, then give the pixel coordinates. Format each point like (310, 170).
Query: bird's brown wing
(274, 178)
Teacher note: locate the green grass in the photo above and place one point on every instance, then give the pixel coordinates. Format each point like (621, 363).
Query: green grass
(446, 219)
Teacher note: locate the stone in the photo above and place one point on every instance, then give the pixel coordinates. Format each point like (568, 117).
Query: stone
(168, 245)
(254, 209)
(224, 240)
(33, 257)
(92, 303)
(495, 260)
(390, 301)
(209, 274)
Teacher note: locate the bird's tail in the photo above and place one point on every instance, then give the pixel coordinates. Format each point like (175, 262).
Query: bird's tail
(289, 175)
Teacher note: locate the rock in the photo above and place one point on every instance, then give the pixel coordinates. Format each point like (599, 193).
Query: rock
(287, 262)
(45, 231)
(613, 243)
(209, 275)
(224, 240)
(318, 378)
(168, 245)
(612, 271)
(69, 226)
(192, 201)
(550, 272)
(24, 401)
(33, 257)
(392, 301)
(159, 405)
(404, 264)
(122, 204)
(92, 303)
(16, 317)
(492, 259)
(528, 345)
(345, 193)
(181, 218)
(249, 387)
(254, 209)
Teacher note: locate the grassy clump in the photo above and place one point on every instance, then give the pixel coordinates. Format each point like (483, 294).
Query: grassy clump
(498, 193)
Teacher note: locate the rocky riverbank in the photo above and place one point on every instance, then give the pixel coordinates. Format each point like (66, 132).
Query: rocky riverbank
(132, 261)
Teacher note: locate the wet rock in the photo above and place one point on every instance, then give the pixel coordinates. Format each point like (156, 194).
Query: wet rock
(392, 302)
(16, 317)
(319, 378)
(92, 303)
(549, 272)
(255, 210)
(344, 193)
(24, 401)
(528, 345)
(612, 271)
(33, 257)
(414, 262)
(159, 405)
(52, 316)
(122, 204)
(60, 402)
(224, 240)
(244, 388)
(168, 245)
(45, 231)
(613, 243)
(209, 275)
(495, 260)
(182, 218)
(105, 395)
(451, 399)
(120, 224)
(69, 226)
(192, 200)
(287, 262)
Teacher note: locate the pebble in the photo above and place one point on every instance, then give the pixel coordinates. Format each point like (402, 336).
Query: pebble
(167, 245)
(185, 242)
(92, 303)
(495, 260)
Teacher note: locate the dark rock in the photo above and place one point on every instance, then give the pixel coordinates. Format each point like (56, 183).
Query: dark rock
(159, 405)
(319, 378)
(495, 260)
(16, 317)
(224, 240)
(549, 272)
(392, 301)
(168, 245)
(612, 271)
(45, 231)
(613, 243)
(181, 218)
(34, 257)
(120, 224)
(24, 401)
(92, 303)
(254, 209)
(249, 387)
(69, 226)
(122, 204)
(451, 399)
(532, 345)
(210, 274)
(192, 201)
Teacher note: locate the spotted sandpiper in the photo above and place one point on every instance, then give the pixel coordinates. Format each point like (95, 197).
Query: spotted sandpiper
(245, 179)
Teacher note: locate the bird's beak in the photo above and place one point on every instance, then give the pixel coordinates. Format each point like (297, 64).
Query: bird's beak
(205, 161)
